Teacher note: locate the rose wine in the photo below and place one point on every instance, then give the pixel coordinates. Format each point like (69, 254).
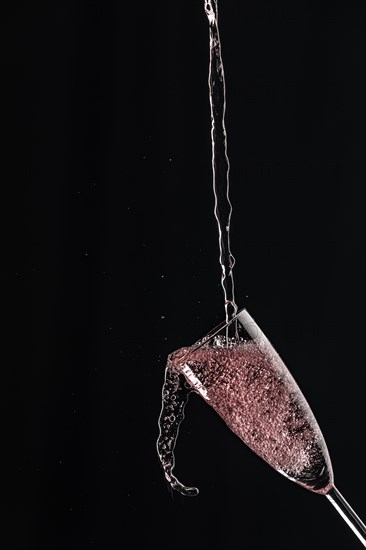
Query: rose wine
(254, 393)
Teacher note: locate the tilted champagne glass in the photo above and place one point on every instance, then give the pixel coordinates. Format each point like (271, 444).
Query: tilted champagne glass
(237, 371)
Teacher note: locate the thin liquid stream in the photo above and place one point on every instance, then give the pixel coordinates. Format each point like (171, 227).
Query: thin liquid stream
(175, 390)
(220, 159)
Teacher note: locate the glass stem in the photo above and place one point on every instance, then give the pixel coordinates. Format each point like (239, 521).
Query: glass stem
(347, 513)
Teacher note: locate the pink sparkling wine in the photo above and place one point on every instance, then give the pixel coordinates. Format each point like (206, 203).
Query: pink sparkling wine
(249, 386)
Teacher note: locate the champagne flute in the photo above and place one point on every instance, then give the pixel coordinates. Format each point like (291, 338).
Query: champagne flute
(237, 371)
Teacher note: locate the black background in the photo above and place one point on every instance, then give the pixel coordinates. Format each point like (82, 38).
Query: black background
(111, 246)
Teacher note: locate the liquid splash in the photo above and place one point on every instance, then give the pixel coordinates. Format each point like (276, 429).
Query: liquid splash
(175, 395)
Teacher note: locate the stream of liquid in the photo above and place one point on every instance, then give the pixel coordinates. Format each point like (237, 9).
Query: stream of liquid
(220, 159)
(175, 390)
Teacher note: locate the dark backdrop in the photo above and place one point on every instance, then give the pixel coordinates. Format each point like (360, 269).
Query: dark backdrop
(112, 247)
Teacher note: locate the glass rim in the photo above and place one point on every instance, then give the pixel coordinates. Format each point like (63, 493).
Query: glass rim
(248, 324)
(213, 332)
